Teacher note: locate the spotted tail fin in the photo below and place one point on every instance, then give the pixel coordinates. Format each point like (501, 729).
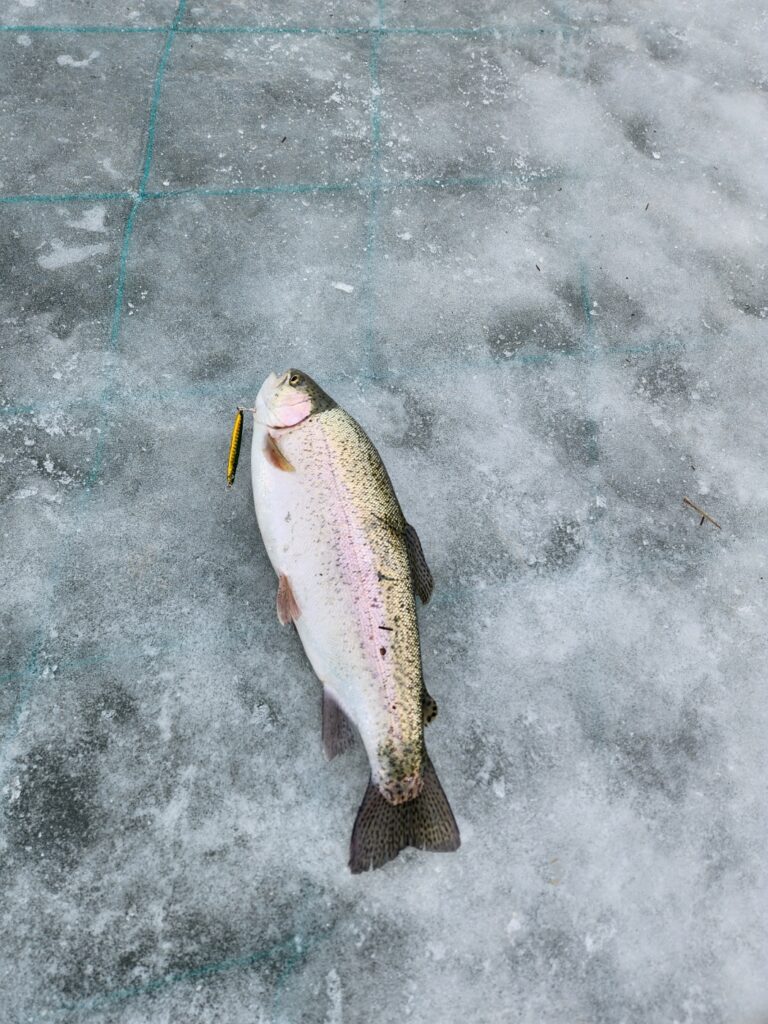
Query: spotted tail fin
(382, 829)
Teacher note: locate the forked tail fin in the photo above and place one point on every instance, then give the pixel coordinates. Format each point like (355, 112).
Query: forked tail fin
(382, 829)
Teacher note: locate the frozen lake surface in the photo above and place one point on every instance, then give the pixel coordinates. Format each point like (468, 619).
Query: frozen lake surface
(525, 245)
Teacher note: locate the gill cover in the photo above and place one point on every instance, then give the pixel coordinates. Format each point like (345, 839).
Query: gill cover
(286, 401)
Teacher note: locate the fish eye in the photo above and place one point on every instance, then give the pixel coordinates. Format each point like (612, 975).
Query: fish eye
(294, 379)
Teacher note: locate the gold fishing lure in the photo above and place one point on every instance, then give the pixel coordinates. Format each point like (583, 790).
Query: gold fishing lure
(234, 447)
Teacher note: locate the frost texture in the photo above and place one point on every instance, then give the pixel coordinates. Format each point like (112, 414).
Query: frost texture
(529, 256)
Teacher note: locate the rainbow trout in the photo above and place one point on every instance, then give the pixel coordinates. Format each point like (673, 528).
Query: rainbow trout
(348, 565)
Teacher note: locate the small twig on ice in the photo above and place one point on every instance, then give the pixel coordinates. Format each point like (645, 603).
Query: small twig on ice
(704, 515)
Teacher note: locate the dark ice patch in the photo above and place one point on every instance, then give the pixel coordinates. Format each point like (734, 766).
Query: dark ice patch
(33, 455)
(662, 42)
(449, 169)
(256, 700)
(532, 328)
(551, 946)
(721, 852)
(106, 713)
(748, 292)
(358, 931)
(213, 366)
(609, 308)
(482, 553)
(196, 937)
(523, 756)
(664, 378)
(563, 545)
(53, 817)
(577, 437)
(15, 640)
(572, 294)
(658, 759)
(641, 133)
(419, 425)
(485, 757)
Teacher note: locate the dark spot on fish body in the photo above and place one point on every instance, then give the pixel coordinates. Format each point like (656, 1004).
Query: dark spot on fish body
(382, 651)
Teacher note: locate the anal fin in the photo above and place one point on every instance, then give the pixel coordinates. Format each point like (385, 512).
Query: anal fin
(338, 731)
(287, 607)
(429, 707)
(423, 583)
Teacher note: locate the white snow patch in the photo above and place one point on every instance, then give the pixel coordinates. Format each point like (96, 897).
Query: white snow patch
(106, 163)
(91, 220)
(514, 925)
(340, 286)
(64, 60)
(65, 256)
(333, 991)
(14, 789)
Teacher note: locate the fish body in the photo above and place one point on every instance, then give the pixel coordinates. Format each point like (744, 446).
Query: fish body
(336, 533)
(348, 564)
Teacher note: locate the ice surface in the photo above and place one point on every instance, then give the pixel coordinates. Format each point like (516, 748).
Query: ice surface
(242, 108)
(525, 245)
(71, 121)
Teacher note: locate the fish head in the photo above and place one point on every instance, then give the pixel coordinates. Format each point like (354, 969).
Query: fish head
(289, 399)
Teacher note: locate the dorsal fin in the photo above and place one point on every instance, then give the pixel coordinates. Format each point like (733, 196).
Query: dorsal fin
(423, 583)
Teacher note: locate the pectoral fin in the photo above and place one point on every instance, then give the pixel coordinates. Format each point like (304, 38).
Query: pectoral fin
(287, 606)
(338, 731)
(275, 456)
(423, 583)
